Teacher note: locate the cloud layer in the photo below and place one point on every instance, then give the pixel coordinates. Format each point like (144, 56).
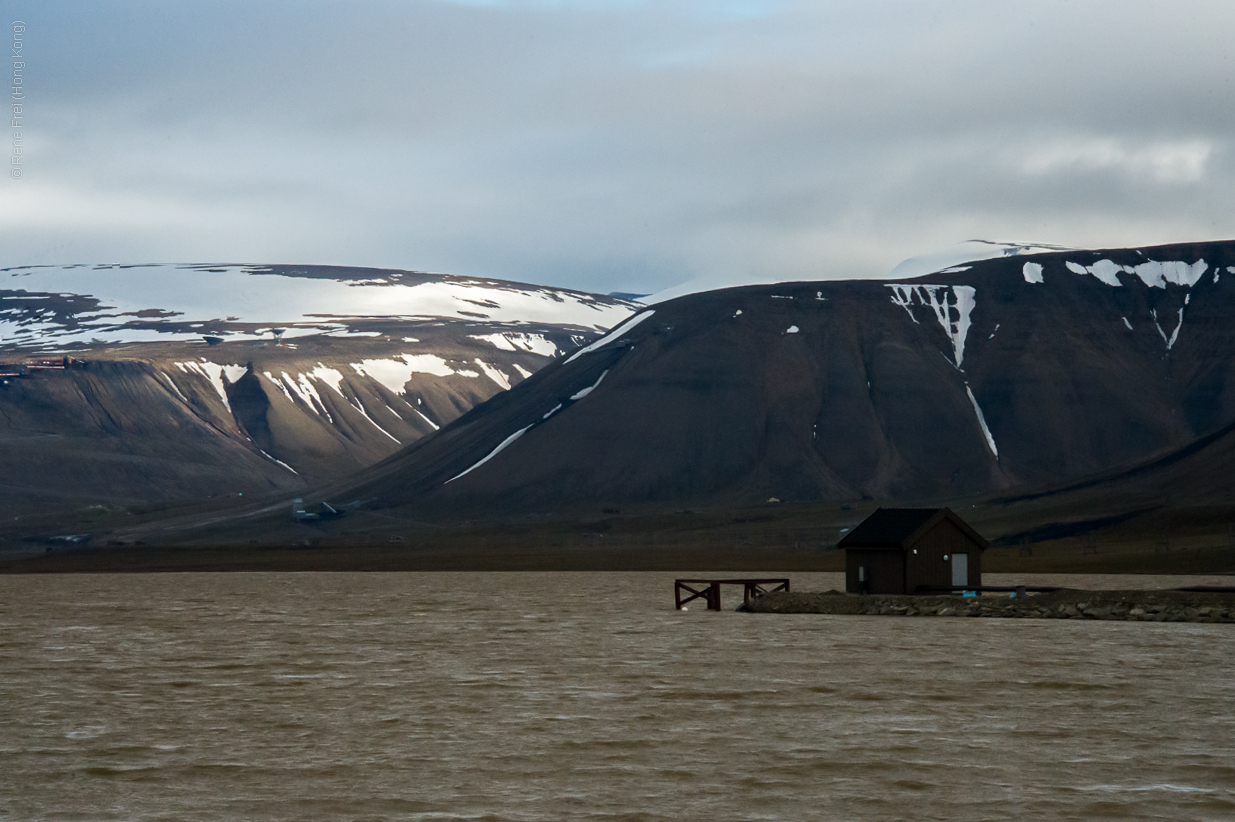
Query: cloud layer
(617, 145)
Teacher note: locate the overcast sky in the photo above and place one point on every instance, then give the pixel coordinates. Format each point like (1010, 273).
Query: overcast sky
(616, 144)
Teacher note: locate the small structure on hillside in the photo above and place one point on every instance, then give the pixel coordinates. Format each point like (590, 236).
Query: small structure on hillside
(322, 510)
(907, 550)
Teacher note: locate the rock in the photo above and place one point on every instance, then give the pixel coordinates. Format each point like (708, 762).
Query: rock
(1172, 606)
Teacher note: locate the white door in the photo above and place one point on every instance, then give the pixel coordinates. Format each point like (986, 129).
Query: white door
(960, 570)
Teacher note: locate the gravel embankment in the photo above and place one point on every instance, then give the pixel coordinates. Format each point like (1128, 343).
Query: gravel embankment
(1143, 606)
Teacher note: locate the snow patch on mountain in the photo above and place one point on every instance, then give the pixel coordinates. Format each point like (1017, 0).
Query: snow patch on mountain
(172, 383)
(513, 341)
(303, 388)
(580, 395)
(1157, 275)
(331, 376)
(279, 461)
(492, 453)
(986, 432)
(492, 373)
(278, 383)
(963, 300)
(1032, 273)
(431, 423)
(1170, 341)
(359, 407)
(1153, 273)
(394, 373)
(214, 374)
(1105, 270)
(612, 336)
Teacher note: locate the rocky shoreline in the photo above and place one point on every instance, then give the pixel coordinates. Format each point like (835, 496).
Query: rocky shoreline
(1139, 606)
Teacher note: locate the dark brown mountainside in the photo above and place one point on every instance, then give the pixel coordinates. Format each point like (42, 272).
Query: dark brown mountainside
(1013, 373)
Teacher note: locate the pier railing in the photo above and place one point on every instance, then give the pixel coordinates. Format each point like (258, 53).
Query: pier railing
(709, 589)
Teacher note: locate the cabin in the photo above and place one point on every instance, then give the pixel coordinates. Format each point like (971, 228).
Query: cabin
(903, 550)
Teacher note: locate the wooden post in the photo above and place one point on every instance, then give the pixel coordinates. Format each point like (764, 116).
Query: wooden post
(709, 590)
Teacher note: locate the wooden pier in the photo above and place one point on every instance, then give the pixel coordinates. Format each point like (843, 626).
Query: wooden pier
(709, 589)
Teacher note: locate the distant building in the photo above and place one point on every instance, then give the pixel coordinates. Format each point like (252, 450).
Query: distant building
(322, 510)
(899, 550)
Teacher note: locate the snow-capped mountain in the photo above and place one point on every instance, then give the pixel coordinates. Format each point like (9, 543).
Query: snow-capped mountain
(970, 251)
(1016, 371)
(121, 384)
(966, 252)
(63, 307)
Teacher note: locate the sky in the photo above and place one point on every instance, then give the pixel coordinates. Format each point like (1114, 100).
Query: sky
(615, 145)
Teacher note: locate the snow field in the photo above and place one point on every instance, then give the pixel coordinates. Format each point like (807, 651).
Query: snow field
(200, 295)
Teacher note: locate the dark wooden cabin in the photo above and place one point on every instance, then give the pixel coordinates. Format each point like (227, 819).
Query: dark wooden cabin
(899, 550)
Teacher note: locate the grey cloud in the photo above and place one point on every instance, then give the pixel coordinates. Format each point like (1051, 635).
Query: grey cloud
(618, 146)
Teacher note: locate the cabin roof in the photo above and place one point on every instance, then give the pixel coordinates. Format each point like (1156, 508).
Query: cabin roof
(897, 528)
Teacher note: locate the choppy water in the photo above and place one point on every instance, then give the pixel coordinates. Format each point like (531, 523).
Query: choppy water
(585, 696)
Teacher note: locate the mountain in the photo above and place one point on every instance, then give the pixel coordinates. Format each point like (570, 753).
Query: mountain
(121, 385)
(970, 251)
(1021, 371)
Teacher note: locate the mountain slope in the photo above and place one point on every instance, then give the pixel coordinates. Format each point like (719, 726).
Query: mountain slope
(199, 381)
(1008, 373)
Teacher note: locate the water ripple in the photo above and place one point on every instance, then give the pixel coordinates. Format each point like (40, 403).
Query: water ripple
(585, 696)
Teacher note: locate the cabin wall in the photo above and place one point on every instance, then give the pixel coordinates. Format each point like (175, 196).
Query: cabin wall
(925, 563)
(885, 570)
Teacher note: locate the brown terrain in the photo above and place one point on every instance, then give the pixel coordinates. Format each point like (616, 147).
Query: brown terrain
(1080, 425)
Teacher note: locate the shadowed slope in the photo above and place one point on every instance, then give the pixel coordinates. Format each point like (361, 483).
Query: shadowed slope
(1015, 372)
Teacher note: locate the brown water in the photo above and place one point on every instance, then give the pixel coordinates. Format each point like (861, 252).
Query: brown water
(585, 696)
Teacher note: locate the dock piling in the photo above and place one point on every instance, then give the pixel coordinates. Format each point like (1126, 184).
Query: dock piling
(709, 589)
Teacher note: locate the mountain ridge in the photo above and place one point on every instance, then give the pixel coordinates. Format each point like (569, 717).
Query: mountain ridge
(178, 382)
(1009, 372)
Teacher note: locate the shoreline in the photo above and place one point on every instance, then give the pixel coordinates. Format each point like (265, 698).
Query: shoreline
(1147, 605)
